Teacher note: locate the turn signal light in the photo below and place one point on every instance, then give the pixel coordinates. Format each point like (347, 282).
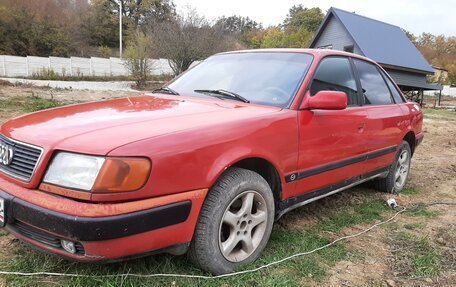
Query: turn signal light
(122, 175)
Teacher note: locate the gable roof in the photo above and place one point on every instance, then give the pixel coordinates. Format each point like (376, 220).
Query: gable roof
(382, 42)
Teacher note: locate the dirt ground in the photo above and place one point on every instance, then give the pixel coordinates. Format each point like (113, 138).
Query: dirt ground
(64, 96)
(433, 175)
(445, 101)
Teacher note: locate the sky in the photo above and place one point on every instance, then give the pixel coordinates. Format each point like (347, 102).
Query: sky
(417, 16)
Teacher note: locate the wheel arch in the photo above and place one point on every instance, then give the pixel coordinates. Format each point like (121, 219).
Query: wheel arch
(264, 167)
(411, 139)
(267, 170)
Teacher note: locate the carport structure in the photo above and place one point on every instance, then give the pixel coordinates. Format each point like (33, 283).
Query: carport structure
(384, 43)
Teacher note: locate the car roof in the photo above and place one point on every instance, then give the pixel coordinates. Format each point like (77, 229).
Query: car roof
(320, 53)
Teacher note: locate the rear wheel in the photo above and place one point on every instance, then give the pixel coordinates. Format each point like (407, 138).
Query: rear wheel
(235, 222)
(398, 171)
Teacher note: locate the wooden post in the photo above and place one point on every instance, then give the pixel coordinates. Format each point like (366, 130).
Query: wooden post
(422, 97)
(440, 97)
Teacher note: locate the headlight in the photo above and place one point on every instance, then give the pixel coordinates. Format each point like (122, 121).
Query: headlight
(98, 174)
(75, 171)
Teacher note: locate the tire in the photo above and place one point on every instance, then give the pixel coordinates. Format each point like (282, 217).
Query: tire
(391, 184)
(225, 219)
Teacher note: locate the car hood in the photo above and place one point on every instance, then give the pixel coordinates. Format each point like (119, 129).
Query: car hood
(99, 127)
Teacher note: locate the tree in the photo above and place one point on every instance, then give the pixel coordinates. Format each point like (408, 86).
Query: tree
(48, 39)
(187, 39)
(101, 25)
(142, 12)
(104, 51)
(137, 58)
(286, 38)
(300, 17)
(243, 29)
(254, 38)
(237, 24)
(41, 28)
(439, 51)
(23, 33)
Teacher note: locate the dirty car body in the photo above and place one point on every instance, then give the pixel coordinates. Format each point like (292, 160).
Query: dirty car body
(127, 177)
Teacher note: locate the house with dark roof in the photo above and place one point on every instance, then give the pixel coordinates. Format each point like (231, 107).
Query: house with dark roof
(384, 43)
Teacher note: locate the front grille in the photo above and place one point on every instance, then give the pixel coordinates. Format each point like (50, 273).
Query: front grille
(25, 159)
(43, 237)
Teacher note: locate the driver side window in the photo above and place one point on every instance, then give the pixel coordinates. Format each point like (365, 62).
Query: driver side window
(335, 74)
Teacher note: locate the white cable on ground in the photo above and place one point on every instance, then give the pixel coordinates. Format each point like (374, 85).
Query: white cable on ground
(203, 276)
(224, 275)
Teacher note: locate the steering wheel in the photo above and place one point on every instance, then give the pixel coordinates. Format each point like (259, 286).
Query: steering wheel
(279, 95)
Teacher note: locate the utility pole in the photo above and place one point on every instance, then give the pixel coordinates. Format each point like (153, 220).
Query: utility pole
(120, 28)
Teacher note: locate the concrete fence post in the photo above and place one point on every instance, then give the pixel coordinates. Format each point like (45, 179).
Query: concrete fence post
(93, 66)
(4, 66)
(27, 66)
(71, 67)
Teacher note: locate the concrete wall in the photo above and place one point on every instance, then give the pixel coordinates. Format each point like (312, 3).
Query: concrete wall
(447, 91)
(13, 66)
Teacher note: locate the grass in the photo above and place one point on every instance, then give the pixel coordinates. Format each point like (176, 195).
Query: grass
(364, 213)
(284, 242)
(427, 259)
(413, 226)
(440, 114)
(415, 256)
(28, 104)
(50, 75)
(422, 210)
(410, 191)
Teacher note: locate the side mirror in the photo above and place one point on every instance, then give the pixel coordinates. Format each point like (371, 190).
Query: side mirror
(325, 100)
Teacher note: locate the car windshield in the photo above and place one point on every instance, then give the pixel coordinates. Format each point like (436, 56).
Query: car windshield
(266, 78)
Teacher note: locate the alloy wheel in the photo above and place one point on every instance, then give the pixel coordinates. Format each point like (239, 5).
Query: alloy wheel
(402, 170)
(243, 226)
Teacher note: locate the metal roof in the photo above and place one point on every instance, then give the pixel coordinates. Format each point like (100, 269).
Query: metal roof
(380, 41)
(425, 86)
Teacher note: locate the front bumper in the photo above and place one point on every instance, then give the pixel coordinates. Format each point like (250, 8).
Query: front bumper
(101, 232)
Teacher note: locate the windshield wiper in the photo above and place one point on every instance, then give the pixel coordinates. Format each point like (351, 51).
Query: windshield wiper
(224, 93)
(166, 90)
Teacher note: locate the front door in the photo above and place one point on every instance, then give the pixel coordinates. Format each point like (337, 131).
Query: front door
(330, 141)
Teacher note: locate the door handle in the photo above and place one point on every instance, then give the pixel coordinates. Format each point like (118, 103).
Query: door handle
(361, 127)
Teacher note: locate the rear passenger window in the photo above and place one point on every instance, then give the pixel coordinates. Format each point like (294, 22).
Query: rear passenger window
(374, 87)
(396, 94)
(335, 74)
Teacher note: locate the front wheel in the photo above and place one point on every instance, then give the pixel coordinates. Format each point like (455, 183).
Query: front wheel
(235, 222)
(398, 171)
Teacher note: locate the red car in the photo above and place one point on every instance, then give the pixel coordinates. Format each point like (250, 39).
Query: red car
(207, 163)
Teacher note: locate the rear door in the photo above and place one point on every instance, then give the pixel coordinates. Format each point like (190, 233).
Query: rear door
(384, 117)
(330, 140)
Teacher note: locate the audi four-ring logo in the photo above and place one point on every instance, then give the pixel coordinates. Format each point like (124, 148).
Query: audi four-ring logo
(6, 154)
